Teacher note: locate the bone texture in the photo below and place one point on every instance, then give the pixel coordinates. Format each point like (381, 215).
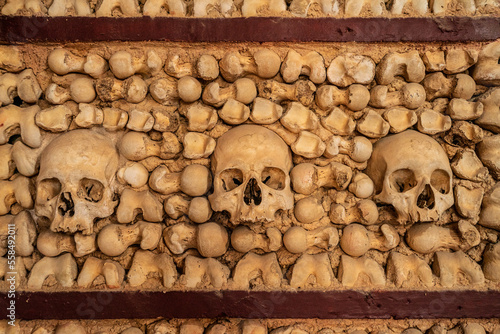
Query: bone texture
(249, 167)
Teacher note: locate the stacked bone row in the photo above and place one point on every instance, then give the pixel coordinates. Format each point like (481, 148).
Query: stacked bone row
(251, 327)
(230, 8)
(279, 172)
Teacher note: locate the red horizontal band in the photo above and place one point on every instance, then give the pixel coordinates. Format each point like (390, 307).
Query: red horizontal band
(254, 29)
(256, 304)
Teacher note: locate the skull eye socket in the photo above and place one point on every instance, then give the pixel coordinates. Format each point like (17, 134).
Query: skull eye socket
(273, 178)
(440, 180)
(402, 180)
(48, 189)
(90, 190)
(231, 178)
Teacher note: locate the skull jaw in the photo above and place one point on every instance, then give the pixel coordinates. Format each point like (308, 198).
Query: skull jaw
(408, 214)
(406, 207)
(247, 214)
(408, 211)
(241, 213)
(423, 215)
(253, 214)
(72, 225)
(82, 220)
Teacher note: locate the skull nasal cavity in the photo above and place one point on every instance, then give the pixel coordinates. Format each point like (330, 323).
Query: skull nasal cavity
(66, 205)
(426, 198)
(252, 193)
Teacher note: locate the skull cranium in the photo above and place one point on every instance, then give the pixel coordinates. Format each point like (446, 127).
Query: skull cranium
(251, 166)
(74, 183)
(412, 172)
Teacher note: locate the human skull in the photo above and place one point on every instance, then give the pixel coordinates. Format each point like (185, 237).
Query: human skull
(73, 186)
(412, 172)
(251, 166)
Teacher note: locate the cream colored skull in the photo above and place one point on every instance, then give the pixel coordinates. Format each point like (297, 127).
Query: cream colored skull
(251, 166)
(73, 186)
(412, 172)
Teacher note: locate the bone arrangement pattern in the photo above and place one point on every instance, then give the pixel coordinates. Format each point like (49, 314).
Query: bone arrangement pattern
(157, 167)
(237, 326)
(248, 8)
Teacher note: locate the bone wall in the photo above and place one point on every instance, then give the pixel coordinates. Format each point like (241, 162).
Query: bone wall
(156, 166)
(237, 326)
(246, 8)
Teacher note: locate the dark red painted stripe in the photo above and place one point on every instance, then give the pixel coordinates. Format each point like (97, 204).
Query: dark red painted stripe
(256, 29)
(239, 304)
(256, 304)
